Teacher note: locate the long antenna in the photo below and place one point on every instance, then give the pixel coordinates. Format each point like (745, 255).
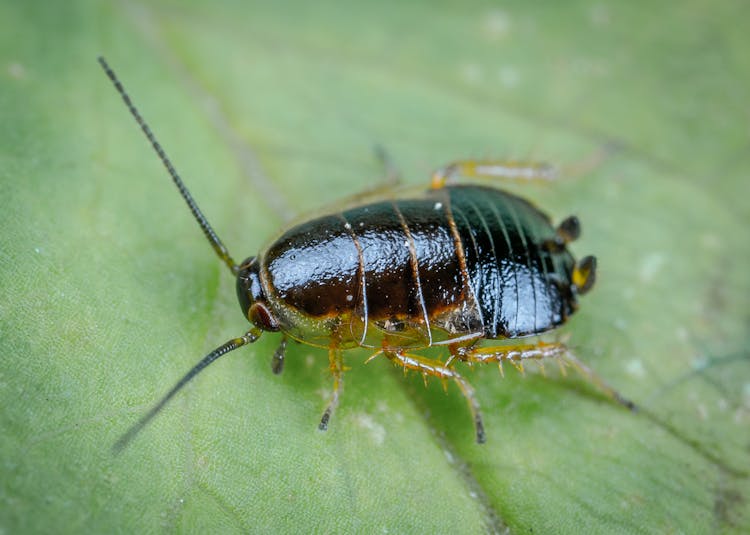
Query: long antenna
(216, 243)
(248, 338)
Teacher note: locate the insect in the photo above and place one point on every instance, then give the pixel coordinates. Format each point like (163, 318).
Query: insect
(453, 265)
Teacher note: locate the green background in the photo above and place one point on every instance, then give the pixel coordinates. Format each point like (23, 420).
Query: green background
(110, 293)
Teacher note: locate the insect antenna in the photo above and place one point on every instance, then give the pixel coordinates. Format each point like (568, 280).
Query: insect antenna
(247, 338)
(216, 243)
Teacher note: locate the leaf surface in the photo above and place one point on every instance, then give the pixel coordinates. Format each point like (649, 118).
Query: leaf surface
(272, 110)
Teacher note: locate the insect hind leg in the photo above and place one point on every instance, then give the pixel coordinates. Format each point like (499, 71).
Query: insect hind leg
(436, 368)
(596, 380)
(491, 169)
(519, 353)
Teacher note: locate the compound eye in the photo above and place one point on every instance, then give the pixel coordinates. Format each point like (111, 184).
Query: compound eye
(262, 318)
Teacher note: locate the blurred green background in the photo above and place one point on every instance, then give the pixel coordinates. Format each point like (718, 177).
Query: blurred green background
(270, 110)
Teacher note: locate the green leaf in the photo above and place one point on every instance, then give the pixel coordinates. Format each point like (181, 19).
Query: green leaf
(272, 110)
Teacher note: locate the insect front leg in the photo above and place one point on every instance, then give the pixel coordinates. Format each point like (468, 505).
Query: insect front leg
(436, 368)
(519, 353)
(491, 169)
(336, 365)
(277, 361)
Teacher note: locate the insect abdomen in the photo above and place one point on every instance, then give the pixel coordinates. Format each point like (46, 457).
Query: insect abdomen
(521, 286)
(457, 261)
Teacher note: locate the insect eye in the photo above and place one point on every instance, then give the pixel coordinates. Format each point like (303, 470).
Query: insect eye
(261, 317)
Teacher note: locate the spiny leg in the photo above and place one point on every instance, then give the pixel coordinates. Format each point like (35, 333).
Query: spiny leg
(436, 368)
(517, 354)
(489, 169)
(335, 364)
(514, 354)
(277, 361)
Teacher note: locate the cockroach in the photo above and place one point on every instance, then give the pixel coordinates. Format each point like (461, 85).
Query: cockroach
(452, 265)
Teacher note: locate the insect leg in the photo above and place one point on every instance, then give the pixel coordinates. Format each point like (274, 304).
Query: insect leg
(517, 354)
(436, 368)
(391, 179)
(514, 354)
(595, 379)
(391, 174)
(335, 363)
(489, 169)
(277, 362)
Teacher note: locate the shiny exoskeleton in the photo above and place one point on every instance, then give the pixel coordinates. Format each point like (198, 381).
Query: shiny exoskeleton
(452, 265)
